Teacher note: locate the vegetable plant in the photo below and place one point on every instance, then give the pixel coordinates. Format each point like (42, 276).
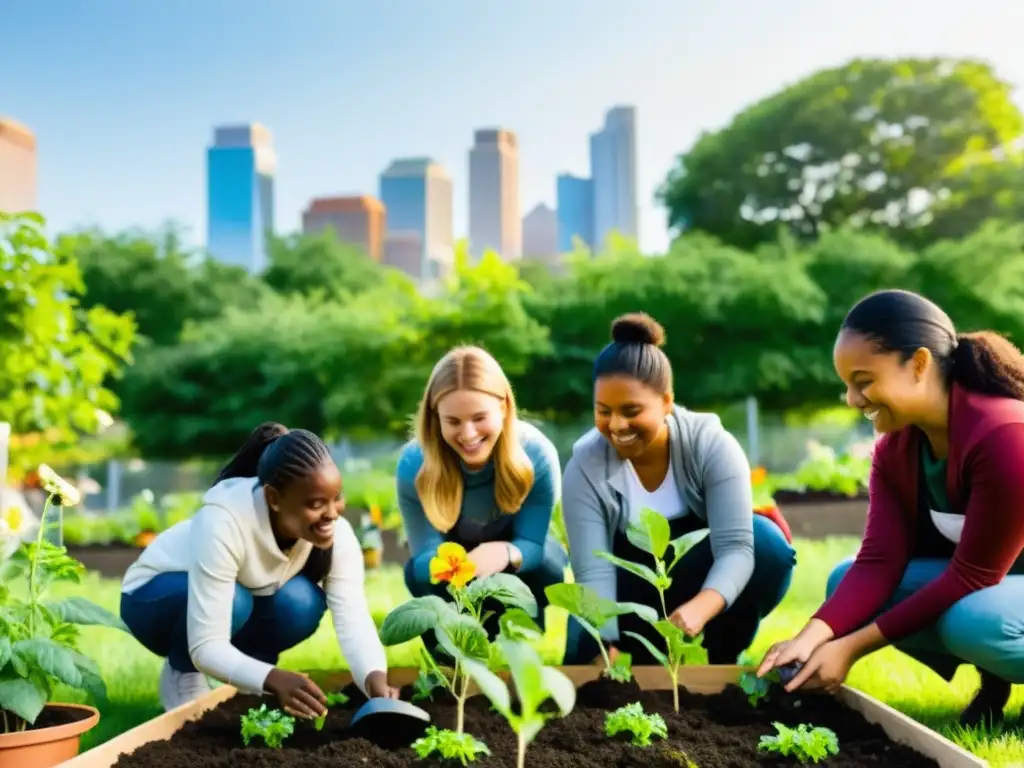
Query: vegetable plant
(632, 719)
(271, 725)
(651, 533)
(758, 688)
(38, 637)
(449, 745)
(592, 612)
(805, 742)
(534, 684)
(459, 624)
(333, 700)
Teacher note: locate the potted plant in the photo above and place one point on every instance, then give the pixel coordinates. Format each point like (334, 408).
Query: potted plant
(38, 647)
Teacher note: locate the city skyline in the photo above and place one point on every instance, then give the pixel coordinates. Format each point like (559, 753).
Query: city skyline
(118, 127)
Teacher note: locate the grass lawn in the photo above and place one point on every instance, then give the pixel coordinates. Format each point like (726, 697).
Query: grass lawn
(131, 671)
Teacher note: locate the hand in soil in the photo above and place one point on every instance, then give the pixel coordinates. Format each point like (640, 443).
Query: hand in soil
(377, 686)
(826, 669)
(797, 649)
(298, 695)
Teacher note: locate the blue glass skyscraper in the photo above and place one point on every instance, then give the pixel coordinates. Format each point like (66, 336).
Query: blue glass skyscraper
(417, 194)
(240, 195)
(575, 211)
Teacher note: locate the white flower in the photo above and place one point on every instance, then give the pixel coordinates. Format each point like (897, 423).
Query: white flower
(65, 493)
(147, 495)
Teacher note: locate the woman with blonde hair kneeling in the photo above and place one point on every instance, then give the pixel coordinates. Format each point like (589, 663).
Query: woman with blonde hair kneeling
(478, 477)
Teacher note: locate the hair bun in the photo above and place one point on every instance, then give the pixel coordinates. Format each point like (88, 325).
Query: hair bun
(638, 328)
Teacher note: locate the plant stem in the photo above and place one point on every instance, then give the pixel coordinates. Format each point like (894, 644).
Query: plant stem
(460, 717)
(675, 687)
(664, 610)
(32, 596)
(521, 756)
(7, 728)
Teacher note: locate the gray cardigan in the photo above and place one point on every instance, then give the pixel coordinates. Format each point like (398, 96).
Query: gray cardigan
(713, 475)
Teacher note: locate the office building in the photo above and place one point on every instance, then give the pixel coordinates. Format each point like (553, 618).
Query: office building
(575, 201)
(540, 233)
(18, 168)
(494, 213)
(359, 220)
(417, 194)
(613, 172)
(404, 251)
(240, 167)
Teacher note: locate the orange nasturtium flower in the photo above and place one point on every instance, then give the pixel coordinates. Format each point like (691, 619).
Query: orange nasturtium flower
(452, 566)
(758, 475)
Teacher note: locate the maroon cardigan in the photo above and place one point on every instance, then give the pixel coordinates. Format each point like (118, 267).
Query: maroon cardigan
(985, 479)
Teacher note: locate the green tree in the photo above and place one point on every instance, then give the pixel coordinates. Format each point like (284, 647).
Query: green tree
(312, 264)
(56, 354)
(868, 144)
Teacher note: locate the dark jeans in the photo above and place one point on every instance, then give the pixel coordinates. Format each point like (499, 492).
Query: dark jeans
(550, 571)
(261, 627)
(727, 635)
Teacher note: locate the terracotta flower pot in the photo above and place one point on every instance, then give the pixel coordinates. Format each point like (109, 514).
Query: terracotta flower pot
(48, 747)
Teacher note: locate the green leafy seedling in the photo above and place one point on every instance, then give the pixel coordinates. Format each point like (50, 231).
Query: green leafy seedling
(806, 743)
(333, 700)
(272, 725)
(449, 745)
(632, 719)
(592, 612)
(755, 687)
(534, 684)
(427, 681)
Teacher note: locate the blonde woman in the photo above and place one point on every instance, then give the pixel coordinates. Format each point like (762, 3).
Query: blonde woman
(478, 476)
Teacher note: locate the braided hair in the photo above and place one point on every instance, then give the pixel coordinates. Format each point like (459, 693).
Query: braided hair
(278, 456)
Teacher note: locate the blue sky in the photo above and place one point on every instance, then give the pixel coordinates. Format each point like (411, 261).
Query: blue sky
(123, 94)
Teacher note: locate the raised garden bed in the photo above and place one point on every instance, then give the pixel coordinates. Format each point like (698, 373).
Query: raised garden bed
(818, 515)
(108, 560)
(716, 727)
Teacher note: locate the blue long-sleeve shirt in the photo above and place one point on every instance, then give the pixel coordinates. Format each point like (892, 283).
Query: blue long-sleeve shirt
(530, 523)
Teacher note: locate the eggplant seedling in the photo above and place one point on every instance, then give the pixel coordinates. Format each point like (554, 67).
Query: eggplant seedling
(632, 719)
(272, 725)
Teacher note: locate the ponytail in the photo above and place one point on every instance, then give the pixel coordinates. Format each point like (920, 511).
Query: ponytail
(246, 462)
(988, 363)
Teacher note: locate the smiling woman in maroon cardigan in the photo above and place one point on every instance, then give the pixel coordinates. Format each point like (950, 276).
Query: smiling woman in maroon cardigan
(939, 573)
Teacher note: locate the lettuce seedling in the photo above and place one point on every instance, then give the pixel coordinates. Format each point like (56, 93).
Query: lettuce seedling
(592, 612)
(449, 745)
(458, 625)
(534, 684)
(806, 743)
(632, 719)
(272, 725)
(333, 700)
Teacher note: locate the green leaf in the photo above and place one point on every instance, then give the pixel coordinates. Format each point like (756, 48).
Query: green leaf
(51, 658)
(525, 665)
(587, 606)
(517, 624)
(651, 533)
(92, 680)
(462, 637)
(636, 569)
(507, 588)
(490, 685)
(412, 618)
(657, 653)
(685, 543)
(79, 610)
(560, 688)
(22, 697)
(5, 651)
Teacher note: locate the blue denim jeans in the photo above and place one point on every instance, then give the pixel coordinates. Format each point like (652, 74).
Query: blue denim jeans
(727, 635)
(985, 628)
(261, 627)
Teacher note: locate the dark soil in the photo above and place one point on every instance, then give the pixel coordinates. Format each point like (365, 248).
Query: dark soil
(814, 497)
(719, 731)
(54, 715)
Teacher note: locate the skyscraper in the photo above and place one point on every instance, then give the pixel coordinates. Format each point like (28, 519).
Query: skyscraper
(357, 220)
(18, 175)
(240, 170)
(575, 211)
(613, 169)
(417, 193)
(540, 233)
(494, 213)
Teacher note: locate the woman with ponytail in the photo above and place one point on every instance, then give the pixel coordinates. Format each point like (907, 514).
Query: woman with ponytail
(252, 574)
(477, 476)
(939, 573)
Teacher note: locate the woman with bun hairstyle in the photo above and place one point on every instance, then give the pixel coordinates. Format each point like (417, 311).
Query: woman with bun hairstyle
(647, 451)
(251, 575)
(939, 573)
(476, 476)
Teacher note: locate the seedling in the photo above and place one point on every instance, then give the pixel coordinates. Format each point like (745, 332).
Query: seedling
(449, 745)
(652, 534)
(806, 743)
(632, 719)
(758, 688)
(592, 612)
(427, 681)
(272, 725)
(458, 625)
(333, 700)
(534, 684)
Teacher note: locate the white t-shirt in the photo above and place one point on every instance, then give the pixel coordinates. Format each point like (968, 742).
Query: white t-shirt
(229, 541)
(665, 500)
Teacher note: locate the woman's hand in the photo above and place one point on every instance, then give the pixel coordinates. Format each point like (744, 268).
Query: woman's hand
(693, 615)
(613, 654)
(299, 696)
(490, 558)
(797, 649)
(826, 669)
(377, 686)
